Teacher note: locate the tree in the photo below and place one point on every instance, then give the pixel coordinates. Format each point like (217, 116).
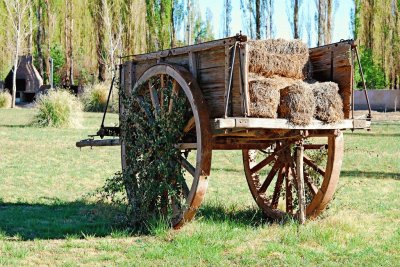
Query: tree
(293, 14)
(258, 19)
(269, 25)
(202, 30)
(227, 18)
(68, 30)
(96, 8)
(321, 19)
(17, 11)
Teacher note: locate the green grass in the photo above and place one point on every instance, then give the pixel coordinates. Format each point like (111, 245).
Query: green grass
(46, 217)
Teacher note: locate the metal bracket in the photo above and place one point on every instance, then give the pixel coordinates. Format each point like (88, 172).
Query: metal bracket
(228, 93)
(369, 116)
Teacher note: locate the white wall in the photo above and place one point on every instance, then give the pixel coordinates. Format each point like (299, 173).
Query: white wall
(379, 100)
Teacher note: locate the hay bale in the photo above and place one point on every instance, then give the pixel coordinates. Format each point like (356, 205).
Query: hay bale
(278, 57)
(297, 103)
(265, 96)
(328, 103)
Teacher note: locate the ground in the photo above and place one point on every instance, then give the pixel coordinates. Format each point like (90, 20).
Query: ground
(47, 216)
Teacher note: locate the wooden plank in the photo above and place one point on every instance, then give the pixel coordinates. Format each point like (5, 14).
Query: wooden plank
(101, 142)
(226, 77)
(193, 64)
(263, 123)
(245, 66)
(187, 49)
(300, 184)
(212, 58)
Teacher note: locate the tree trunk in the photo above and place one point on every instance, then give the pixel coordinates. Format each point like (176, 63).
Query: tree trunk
(39, 33)
(296, 19)
(271, 24)
(321, 22)
(258, 20)
(68, 43)
(17, 47)
(189, 23)
(46, 39)
(173, 34)
(328, 31)
(30, 34)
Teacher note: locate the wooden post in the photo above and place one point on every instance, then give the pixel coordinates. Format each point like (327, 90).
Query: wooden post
(300, 183)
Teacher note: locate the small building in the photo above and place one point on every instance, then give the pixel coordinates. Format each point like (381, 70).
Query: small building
(28, 80)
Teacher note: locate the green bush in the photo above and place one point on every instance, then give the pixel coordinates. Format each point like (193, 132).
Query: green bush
(58, 108)
(153, 167)
(5, 99)
(95, 98)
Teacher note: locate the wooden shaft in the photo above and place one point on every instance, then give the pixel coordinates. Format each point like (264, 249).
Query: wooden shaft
(102, 142)
(300, 183)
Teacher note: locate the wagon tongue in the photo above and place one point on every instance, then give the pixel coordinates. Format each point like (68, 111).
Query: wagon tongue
(103, 131)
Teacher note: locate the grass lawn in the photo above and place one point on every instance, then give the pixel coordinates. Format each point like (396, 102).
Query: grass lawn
(46, 217)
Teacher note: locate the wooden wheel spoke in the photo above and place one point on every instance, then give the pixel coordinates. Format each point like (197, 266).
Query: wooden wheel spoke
(289, 196)
(164, 203)
(278, 188)
(270, 177)
(185, 189)
(175, 206)
(263, 163)
(187, 165)
(189, 125)
(315, 146)
(174, 94)
(313, 188)
(314, 166)
(154, 98)
(162, 83)
(144, 107)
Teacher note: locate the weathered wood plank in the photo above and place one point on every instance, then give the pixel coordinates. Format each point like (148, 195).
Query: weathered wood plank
(263, 123)
(186, 49)
(102, 142)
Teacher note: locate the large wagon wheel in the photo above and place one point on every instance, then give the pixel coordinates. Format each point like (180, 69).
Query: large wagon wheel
(196, 142)
(271, 175)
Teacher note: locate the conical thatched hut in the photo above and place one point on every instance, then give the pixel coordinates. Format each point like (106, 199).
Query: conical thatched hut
(28, 81)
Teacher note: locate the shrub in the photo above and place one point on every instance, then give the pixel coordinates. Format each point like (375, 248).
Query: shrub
(58, 108)
(152, 162)
(95, 98)
(5, 99)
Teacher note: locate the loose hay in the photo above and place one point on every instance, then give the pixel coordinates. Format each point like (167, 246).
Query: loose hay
(328, 103)
(278, 57)
(265, 96)
(297, 103)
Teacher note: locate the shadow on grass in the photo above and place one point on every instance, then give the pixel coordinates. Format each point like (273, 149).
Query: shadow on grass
(25, 221)
(371, 175)
(57, 220)
(17, 125)
(248, 217)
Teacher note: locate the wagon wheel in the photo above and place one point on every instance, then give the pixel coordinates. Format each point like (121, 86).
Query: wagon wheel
(271, 175)
(195, 145)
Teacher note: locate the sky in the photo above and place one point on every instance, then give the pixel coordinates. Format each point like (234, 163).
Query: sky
(341, 28)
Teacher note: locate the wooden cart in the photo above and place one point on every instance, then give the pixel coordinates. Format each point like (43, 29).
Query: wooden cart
(283, 173)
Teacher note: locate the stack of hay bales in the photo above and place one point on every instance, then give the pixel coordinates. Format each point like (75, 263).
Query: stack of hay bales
(278, 69)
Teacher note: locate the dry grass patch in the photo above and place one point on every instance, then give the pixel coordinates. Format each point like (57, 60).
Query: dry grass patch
(5, 99)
